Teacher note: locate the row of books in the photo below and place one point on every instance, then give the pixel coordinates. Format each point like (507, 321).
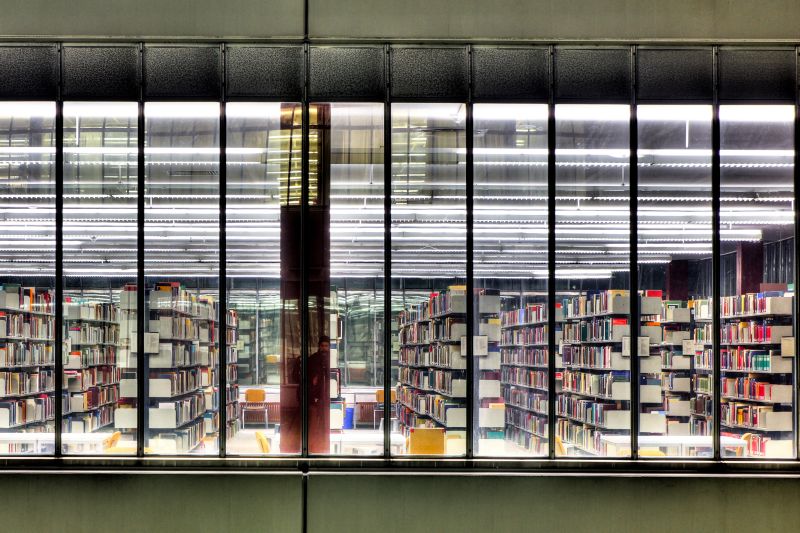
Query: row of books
(527, 335)
(413, 398)
(756, 389)
(534, 444)
(89, 333)
(596, 330)
(703, 334)
(175, 413)
(599, 357)
(173, 297)
(90, 356)
(179, 328)
(744, 359)
(527, 421)
(746, 415)
(447, 356)
(524, 356)
(175, 382)
(105, 312)
(585, 438)
(414, 377)
(15, 413)
(701, 405)
(761, 303)
(32, 299)
(702, 384)
(598, 303)
(530, 314)
(29, 327)
(95, 376)
(754, 332)
(26, 354)
(179, 441)
(91, 420)
(416, 333)
(530, 400)
(18, 383)
(524, 377)
(92, 398)
(591, 412)
(599, 385)
(448, 383)
(414, 355)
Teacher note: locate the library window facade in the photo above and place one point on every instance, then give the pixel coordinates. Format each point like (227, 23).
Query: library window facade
(514, 256)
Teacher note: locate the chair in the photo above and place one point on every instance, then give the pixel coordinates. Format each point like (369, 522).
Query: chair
(254, 408)
(426, 441)
(379, 396)
(745, 450)
(263, 442)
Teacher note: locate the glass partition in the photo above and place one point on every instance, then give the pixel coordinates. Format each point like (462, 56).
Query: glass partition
(757, 339)
(674, 255)
(27, 279)
(428, 249)
(263, 163)
(593, 289)
(100, 262)
(181, 356)
(510, 270)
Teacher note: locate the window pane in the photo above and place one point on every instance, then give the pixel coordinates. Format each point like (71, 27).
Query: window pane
(428, 275)
(27, 283)
(182, 269)
(349, 196)
(510, 269)
(674, 207)
(592, 270)
(263, 157)
(100, 254)
(757, 281)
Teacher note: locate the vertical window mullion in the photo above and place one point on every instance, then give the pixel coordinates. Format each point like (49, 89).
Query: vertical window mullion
(551, 260)
(303, 307)
(59, 266)
(470, 245)
(715, 256)
(222, 354)
(387, 260)
(633, 136)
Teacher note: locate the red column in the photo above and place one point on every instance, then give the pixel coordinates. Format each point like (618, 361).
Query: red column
(749, 267)
(677, 284)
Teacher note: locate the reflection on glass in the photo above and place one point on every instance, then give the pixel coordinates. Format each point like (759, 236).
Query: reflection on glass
(592, 269)
(757, 281)
(27, 322)
(674, 253)
(428, 270)
(182, 274)
(100, 229)
(510, 268)
(264, 163)
(349, 196)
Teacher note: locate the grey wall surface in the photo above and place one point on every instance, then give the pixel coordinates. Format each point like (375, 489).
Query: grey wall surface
(218, 503)
(546, 20)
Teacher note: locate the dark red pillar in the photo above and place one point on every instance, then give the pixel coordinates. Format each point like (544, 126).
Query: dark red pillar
(677, 284)
(749, 267)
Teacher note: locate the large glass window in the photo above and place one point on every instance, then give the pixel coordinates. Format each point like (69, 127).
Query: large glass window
(264, 167)
(27, 279)
(674, 255)
(592, 271)
(510, 270)
(429, 300)
(181, 356)
(349, 142)
(757, 280)
(100, 261)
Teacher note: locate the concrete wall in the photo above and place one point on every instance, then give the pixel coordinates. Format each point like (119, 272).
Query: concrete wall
(123, 503)
(550, 20)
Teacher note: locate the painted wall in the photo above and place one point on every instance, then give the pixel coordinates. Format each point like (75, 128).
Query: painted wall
(123, 503)
(624, 20)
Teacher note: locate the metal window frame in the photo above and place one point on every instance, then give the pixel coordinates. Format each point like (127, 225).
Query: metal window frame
(715, 465)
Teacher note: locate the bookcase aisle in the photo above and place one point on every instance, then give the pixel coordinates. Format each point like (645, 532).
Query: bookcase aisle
(27, 381)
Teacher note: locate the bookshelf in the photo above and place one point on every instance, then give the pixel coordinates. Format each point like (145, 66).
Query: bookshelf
(432, 385)
(756, 386)
(492, 419)
(701, 408)
(91, 374)
(596, 387)
(27, 361)
(676, 364)
(524, 367)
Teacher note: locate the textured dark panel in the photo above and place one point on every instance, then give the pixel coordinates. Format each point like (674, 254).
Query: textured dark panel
(430, 73)
(756, 74)
(101, 72)
(509, 73)
(29, 72)
(182, 72)
(347, 72)
(274, 72)
(673, 74)
(593, 74)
